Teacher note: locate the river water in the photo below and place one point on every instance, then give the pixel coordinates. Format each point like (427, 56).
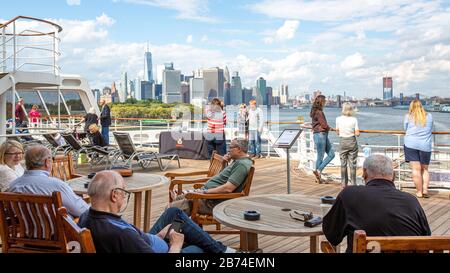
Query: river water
(369, 118)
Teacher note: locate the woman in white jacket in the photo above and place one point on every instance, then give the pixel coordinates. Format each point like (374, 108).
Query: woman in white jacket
(11, 154)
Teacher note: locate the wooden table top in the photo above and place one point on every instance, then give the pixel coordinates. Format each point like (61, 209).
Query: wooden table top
(138, 182)
(274, 221)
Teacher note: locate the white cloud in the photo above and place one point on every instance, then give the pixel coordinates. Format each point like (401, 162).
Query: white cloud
(285, 32)
(353, 61)
(105, 20)
(196, 10)
(73, 2)
(204, 39)
(189, 39)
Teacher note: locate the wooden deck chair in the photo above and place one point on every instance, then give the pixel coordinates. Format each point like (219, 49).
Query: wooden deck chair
(128, 153)
(206, 219)
(28, 223)
(78, 240)
(216, 165)
(399, 244)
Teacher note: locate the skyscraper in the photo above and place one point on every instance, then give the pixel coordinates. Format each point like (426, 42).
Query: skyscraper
(148, 66)
(146, 90)
(159, 73)
(213, 83)
(247, 95)
(196, 87)
(171, 85)
(284, 94)
(123, 91)
(185, 94)
(236, 89)
(261, 91)
(138, 89)
(388, 91)
(269, 95)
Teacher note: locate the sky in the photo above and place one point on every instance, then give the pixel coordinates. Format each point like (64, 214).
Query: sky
(328, 45)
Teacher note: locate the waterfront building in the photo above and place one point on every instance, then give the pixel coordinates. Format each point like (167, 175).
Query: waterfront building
(213, 83)
(236, 89)
(388, 92)
(148, 66)
(137, 84)
(284, 94)
(123, 90)
(261, 91)
(185, 94)
(146, 90)
(159, 73)
(269, 95)
(171, 85)
(196, 88)
(157, 91)
(247, 95)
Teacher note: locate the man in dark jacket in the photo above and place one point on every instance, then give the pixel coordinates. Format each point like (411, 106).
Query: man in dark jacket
(105, 120)
(377, 208)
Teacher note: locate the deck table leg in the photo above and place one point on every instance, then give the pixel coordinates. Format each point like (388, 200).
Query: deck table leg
(249, 241)
(313, 244)
(137, 209)
(147, 210)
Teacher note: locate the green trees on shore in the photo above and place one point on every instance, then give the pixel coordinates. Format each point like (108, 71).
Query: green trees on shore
(153, 109)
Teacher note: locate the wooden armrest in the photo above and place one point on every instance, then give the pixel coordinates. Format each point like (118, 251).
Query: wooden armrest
(196, 195)
(188, 181)
(75, 175)
(326, 247)
(198, 186)
(173, 175)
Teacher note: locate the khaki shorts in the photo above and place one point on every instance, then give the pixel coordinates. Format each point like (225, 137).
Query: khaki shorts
(204, 206)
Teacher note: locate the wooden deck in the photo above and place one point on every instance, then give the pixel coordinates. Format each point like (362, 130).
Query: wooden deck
(270, 177)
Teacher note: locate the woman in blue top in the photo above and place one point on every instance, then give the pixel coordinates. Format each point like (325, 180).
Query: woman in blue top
(418, 126)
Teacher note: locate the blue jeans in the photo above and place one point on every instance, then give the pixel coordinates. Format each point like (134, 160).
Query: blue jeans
(105, 134)
(216, 142)
(254, 142)
(196, 239)
(323, 145)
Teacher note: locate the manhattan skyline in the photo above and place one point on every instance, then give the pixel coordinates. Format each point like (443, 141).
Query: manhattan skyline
(333, 46)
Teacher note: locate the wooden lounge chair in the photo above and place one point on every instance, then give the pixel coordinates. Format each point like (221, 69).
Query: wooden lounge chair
(79, 240)
(29, 224)
(397, 244)
(128, 153)
(216, 165)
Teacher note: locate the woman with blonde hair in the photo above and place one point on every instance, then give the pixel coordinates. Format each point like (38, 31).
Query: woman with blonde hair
(35, 115)
(347, 130)
(418, 126)
(11, 154)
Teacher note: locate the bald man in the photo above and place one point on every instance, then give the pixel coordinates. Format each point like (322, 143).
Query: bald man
(37, 180)
(112, 234)
(377, 208)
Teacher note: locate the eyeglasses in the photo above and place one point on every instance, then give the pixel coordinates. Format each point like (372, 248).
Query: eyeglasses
(127, 193)
(15, 154)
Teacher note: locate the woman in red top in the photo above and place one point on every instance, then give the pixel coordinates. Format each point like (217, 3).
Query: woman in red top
(321, 140)
(217, 119)
(34, 116)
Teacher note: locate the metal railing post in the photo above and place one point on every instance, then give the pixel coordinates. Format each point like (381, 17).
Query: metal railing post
(14, 48)
(140, 129)
(4, 49)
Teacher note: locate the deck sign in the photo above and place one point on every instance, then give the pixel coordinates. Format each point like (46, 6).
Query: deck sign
(287, 138)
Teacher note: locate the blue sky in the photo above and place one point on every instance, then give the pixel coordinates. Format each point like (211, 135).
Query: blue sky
(334, 46)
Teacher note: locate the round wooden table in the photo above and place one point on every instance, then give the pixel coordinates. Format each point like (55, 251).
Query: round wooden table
(275, 217)
(138, 183)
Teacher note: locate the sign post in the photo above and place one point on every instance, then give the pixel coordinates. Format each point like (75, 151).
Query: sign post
(286, 139)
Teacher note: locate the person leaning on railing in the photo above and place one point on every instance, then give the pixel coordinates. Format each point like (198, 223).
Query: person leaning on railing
(321, 141)
(347, 130)
(418, 126)
(11, 154)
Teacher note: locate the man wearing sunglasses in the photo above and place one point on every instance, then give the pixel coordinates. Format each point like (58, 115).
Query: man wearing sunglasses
(112, 234)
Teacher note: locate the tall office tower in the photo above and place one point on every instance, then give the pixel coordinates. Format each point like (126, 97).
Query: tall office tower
(236, 89)
(247, 95)
(157, 91)
(196, 87)
(261, 91)
(213, 82)
(114, 93)
(131, 91)
(226, 93)
(388, 91)
(284, 94)
(146, 90)
(401, 98)
(269, 95)
(148, 66)
(137, 89)
(185, 93)
(171, 85)
(123, 91)
(159, 73)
